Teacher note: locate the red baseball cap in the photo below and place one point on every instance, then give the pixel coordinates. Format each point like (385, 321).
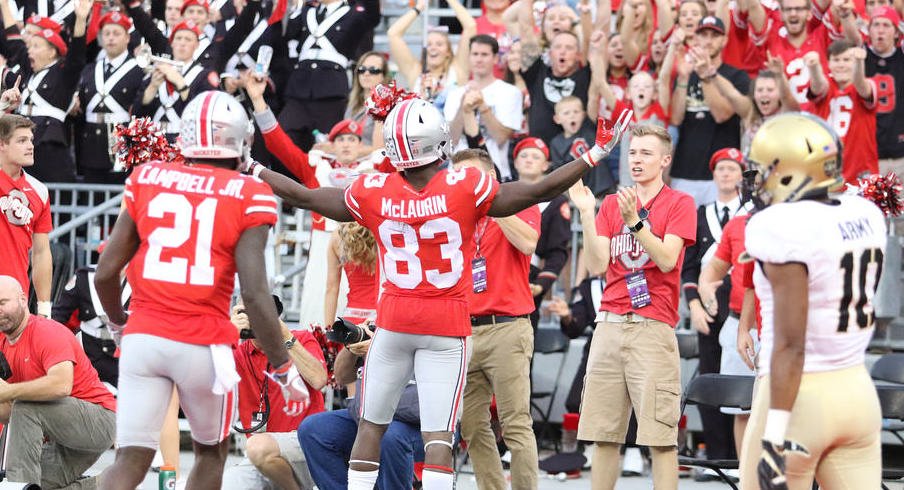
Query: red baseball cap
(886, 12)
(199, 3)
(44, 23)
(732, 154)
(185, 25)
(116, 18)
(531, 142)
(345, 126)
(53, 38)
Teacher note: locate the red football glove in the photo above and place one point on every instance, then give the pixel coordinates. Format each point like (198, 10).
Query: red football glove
(294, 391)
(607, 138)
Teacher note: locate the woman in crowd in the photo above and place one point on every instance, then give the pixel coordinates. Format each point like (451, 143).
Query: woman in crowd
(439, 67)
(638, 21)
(352, 250)
(370, 70)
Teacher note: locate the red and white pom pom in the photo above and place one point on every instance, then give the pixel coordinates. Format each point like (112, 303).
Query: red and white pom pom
(884, 191)
(142, 142)
(383, 98)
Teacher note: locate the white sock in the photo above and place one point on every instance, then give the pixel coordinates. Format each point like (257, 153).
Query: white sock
(436, 480)
(362, 480)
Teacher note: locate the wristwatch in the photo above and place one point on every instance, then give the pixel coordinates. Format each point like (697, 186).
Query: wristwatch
(637, 227)
(290, 343)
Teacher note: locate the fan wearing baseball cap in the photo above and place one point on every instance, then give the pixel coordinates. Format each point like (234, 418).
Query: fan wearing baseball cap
(699, 108)
(47, 85)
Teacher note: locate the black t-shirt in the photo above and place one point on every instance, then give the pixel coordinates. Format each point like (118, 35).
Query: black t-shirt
(889, 76)
(563, 150)
(545, 90)
(700, 136)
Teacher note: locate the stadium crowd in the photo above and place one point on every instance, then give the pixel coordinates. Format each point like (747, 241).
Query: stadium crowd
(520, 91)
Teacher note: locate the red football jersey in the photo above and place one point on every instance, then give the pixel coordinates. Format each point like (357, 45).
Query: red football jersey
(26, 211)
(189, 219)
(730, 248)
(424, 239)
(854, 119)
(775, 41)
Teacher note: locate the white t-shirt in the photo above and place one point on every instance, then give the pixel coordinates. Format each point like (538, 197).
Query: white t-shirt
(505, 100)
(842, 246)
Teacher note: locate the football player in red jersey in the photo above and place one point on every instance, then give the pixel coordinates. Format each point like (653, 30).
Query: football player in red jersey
(187, 229)
(423, 218)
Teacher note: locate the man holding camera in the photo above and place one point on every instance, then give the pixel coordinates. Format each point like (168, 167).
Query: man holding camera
(49, 384)
(274, 458)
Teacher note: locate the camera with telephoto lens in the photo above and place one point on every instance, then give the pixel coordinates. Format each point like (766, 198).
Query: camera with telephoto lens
(247, 333)
(5, 371)
(346, 332)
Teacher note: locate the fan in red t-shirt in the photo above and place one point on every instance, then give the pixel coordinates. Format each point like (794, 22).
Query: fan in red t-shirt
(52, 384)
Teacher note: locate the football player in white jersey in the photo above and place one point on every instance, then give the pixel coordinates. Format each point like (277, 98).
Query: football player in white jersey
(819, 256)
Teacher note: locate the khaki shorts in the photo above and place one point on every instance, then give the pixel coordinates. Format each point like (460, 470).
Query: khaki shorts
(632, 364)
(836, 416)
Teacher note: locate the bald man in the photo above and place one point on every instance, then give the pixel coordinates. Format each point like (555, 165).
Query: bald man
(52, 385)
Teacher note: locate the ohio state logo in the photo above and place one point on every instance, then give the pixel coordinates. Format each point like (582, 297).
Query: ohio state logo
(15, 207)
(626, 249)
(578, 147)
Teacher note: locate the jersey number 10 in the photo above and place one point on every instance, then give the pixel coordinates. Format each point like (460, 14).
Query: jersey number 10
(867, 269)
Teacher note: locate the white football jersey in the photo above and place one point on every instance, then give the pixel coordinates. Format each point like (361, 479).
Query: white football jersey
(843, 245)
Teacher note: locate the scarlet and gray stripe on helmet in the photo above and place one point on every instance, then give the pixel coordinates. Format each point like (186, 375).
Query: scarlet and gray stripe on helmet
(399, 124)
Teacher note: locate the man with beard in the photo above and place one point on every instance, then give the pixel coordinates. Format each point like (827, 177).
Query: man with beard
(52, 384)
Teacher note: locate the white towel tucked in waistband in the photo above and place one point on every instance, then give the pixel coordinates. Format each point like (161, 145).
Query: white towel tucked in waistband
(224, 367)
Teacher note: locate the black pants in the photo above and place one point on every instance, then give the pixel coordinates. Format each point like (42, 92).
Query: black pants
(299, 117)
(100, 353)
(718, 428)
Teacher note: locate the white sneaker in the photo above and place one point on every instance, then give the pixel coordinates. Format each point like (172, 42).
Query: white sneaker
(507, 457)
(588, 455)
(632, 464)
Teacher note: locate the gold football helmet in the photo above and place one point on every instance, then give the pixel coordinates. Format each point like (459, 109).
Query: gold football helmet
(798, 156)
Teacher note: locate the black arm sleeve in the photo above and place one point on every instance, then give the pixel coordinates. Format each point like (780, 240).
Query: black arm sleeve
(68, 301)
(145, 25)
(693, 257)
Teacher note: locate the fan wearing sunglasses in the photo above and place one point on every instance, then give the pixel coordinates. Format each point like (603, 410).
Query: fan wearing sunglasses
(371, 69)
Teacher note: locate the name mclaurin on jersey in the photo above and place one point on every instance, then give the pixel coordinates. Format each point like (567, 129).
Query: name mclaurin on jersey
(413, 208)
(185, 182)
(853, 230)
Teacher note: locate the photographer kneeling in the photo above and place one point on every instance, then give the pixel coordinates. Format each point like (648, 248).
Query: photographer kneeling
(327, 438)
(49, 384)
(274, 459)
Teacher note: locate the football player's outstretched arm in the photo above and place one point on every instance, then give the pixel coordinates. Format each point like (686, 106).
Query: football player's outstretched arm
(328, 201)
(259, 306)
(515, 196)
(120, 249)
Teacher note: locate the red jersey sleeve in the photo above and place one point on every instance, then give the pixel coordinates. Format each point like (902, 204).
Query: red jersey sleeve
(52, 350)
(260, 204)
(282, 147)
(724, 251)
(682, 220)
(531, 216)
(43, 223)
(485, 187)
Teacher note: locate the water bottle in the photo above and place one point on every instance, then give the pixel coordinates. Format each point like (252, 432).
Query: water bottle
(262, 64)
(570, 432)
(167, 477)
(319, 137)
